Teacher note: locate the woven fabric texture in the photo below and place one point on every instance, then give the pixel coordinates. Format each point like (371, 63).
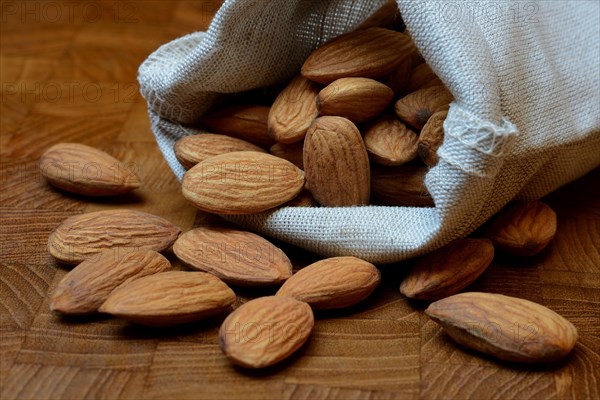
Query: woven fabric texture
(526, 117)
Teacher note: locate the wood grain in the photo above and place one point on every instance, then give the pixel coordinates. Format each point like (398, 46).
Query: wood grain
(383, 348)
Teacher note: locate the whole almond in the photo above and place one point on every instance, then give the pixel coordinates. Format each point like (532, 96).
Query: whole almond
(82, 169)
(416, 108)
(291, 152)
(336, 163)
(246, 122)
(431, 138)
(523, 229)
(390, 142)
(293, 111)
(398, 79)
(400, 186)
(368, 53)
(422, 77)
(265, 331)
(237, 257)
(83, 236)
(243, 182)
(304, 199)
(333, 283)
(190, 150)
(358, 99)
(169, 298)
(507, 328)
(87, 286)
(448, 270)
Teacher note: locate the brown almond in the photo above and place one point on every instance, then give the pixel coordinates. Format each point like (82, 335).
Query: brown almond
(293, 111)
(431, 138)
(398, 79)
(448, 270)
(523, 229)
(265, 331)
(368, 53)
(422, 77)
(169, 298)
(237, 257)
(291, 152)
(246, 122)
(243, 182)
(304, 199)
(82, 169)
(190, 150)
(336, 163)
(358, 99)
(333, 283)
(390, 142)
(400, 186)
(83, 236)
(416, 108)
(507, 328)
(87, 286)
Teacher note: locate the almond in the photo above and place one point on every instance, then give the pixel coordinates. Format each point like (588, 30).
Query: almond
(83, 236)
(246, 122)
(390, 142)
(304, 199)
(431, 138)
(398, 79)
(291, 152)
(401, 186)
(336, 163)
(333, 283)
(88, 285)
(237, 257)
(358, 99)
(369, 53)
(293, 111)
(507, 328)
(448, 270)
(524, 229)
(243, 182)
(265, 331)
(416, 108)
(82, 169)
(190, 150)
(169, 298)
(422, 77)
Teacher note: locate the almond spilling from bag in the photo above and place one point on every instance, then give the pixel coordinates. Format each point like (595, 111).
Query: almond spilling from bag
(83, 236)
(431, 138)
(243, 182)
(336, 163)
(293, 111)
(401, 186)
(82, 169)
(333, 283)
(422, 77)
(448, 270)
(358, 99)
(237, 257)
(416, 107)
(191, 150)
(368, 53)
(169, 298)
(523, 229)
(246, 122)
(87, 286)
(507, 328)
(390, 142)
(265, 331)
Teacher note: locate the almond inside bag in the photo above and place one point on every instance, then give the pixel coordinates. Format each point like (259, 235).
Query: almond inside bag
(520, 122)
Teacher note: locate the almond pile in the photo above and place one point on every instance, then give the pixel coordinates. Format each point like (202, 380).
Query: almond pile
(360, 124)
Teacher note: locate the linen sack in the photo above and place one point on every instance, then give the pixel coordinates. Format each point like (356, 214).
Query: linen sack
(525, 120)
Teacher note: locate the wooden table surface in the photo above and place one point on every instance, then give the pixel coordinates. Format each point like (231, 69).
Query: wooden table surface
(68, 73)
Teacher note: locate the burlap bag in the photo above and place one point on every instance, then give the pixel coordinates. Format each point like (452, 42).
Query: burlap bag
(526, 119)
